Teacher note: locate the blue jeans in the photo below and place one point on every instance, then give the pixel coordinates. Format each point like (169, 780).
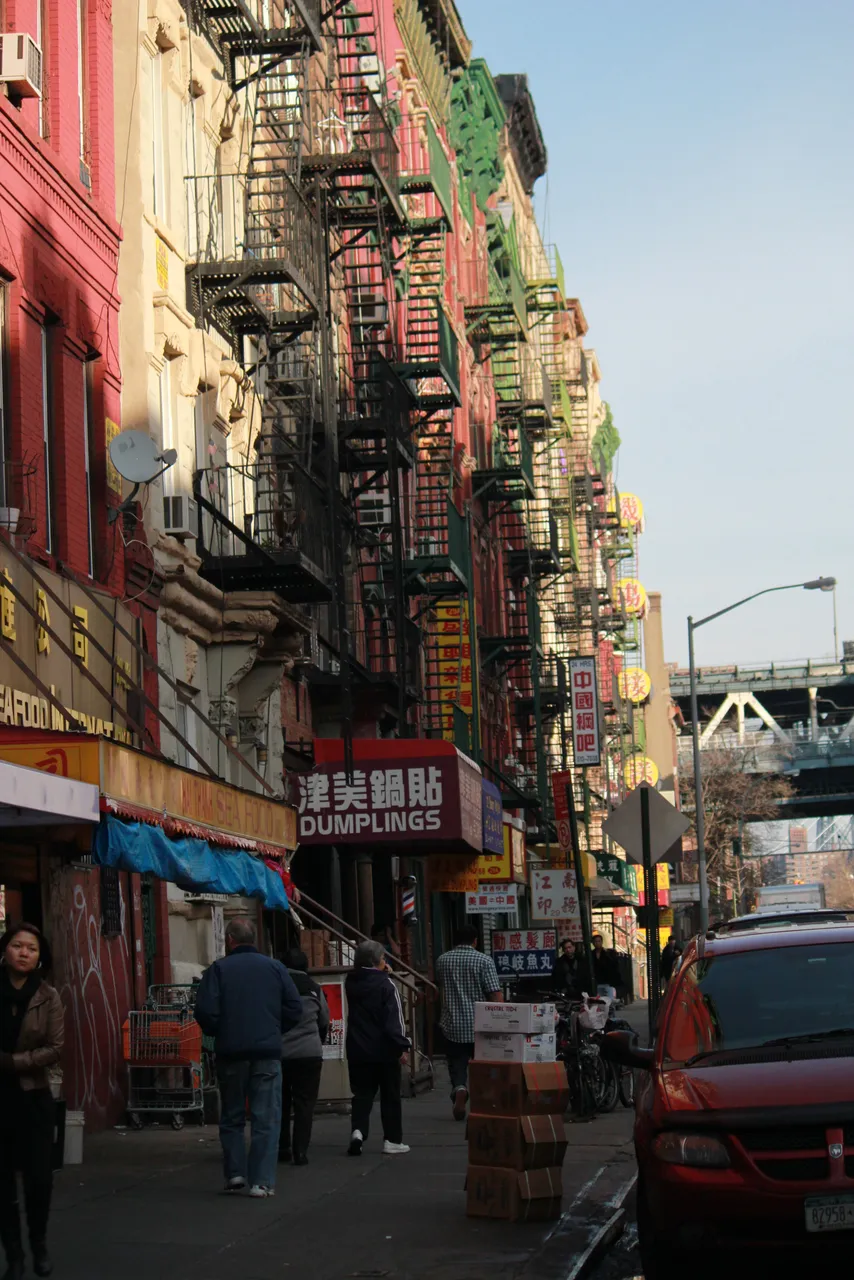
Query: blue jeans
(259, 1083)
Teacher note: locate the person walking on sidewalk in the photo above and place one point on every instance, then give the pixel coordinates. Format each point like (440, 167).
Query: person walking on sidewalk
(465, 977)
(377, 1047)
(247, 1002)
(32, 1030)
(302, 1062)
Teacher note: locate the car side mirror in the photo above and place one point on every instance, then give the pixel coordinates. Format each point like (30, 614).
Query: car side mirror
(622, 1047)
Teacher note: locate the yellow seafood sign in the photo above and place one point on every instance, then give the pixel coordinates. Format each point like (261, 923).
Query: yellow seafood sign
(634, 684)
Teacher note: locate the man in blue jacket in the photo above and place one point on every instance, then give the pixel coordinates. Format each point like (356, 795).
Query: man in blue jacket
(247, 1001)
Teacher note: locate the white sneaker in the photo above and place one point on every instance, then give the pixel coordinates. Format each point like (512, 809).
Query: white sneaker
(356, 1140)
(394, 1148)
(234, 1185)
(261, 1193)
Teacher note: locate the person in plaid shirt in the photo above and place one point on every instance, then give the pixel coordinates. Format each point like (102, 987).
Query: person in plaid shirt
(465, 977)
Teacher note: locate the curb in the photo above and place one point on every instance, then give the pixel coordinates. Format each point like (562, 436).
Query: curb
(605, 1237)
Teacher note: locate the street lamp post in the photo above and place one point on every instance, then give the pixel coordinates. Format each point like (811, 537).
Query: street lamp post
(815, 584)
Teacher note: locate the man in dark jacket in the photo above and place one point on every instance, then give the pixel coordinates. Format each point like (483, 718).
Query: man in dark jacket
(302, 1062)
(377, 1045)
(247, 1001)
(606, 968)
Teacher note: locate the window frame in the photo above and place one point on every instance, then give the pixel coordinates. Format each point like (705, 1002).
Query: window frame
(88, 371)
(48, 436)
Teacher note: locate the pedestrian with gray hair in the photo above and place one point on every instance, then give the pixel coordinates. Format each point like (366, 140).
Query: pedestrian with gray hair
(377, 1047)
(247, 1002)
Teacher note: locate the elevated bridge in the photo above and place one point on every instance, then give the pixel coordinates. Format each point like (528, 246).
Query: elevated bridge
(791, 718)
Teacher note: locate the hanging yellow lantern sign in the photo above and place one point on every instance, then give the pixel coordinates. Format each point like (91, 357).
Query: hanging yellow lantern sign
(640, 769)
(631, 511)
(634, 684)
(633, 595)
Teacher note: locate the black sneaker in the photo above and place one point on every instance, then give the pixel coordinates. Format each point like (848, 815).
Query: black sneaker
(300, 1159)
(42, 1264)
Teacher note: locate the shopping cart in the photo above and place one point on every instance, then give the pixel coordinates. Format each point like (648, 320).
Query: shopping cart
(182, 996)
(163, 1052)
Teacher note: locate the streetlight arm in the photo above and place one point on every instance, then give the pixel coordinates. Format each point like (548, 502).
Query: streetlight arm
(790, 586)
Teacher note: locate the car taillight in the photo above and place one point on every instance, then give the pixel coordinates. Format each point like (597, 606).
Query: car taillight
(697, 1150)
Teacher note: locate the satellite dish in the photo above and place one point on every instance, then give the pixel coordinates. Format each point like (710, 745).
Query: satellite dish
(135, 457)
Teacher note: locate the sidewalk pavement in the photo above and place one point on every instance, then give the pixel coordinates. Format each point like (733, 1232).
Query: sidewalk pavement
(148, 1205)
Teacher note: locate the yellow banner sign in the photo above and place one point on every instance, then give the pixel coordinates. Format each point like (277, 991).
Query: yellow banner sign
(640, 769)
(633, 595)
(456, 684)
(634, 684)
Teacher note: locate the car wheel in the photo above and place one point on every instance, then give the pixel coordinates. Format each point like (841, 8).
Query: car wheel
(660, 1260)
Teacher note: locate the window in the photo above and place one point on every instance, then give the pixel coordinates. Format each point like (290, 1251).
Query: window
(158, 136)
(88, 380)
(42, 42)
(48, 438)
(186, 722)
(82, 78)
(166, 425)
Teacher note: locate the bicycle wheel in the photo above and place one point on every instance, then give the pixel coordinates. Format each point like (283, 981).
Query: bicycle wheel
(603, 1081)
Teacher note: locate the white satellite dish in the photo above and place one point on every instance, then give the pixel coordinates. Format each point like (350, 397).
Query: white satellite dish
(135, 457)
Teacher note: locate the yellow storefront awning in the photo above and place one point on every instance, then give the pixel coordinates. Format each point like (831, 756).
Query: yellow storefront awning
(135, 785)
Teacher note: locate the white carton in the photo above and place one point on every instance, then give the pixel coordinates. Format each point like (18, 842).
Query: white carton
(510, 1046)
(529, 1019)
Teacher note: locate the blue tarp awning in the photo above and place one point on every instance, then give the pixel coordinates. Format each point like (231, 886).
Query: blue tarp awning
(191, 864)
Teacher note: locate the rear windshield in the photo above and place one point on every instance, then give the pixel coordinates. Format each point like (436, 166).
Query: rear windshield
(748, 999)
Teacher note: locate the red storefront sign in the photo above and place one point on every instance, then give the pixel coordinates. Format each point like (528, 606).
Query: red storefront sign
(402, 792)
(560, 782)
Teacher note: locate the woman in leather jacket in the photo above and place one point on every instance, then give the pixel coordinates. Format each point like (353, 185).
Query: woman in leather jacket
(31, 1037)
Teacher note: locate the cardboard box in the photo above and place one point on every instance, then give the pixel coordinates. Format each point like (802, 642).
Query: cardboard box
(517, 1142)
(533, 1196)
(518, 1089)
(497, 1046)
(529, 1019)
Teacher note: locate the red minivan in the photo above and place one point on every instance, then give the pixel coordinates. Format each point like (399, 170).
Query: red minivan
(744, 1124)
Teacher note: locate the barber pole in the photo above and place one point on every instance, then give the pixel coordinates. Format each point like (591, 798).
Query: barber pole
(407, 900)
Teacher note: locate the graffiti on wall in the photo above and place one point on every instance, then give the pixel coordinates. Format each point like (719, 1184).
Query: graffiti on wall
(94, 977)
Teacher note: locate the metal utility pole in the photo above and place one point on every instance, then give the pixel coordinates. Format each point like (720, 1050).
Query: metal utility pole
(814, 584)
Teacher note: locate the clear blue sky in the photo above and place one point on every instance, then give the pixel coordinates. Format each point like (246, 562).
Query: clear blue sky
(701, 191)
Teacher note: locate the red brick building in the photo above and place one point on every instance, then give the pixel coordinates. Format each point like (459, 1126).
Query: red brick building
(60, 388)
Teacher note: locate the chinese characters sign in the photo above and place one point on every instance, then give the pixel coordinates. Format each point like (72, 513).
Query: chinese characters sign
(492, 897)
(436, 798)
(455, 663)
(334, 1046)
(634, 684)
(640, 769)
(493, 818)
(554, 895)
(560, 782)
(585, 711)
(450, 873)
(631, 511)
(529, 952)
(618, 871)
(633, 596)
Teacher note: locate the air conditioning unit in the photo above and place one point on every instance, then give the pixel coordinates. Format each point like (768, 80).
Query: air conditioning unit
(180, 515)
(21, 64)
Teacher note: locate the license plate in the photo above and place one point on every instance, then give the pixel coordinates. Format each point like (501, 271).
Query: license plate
(830, 1213)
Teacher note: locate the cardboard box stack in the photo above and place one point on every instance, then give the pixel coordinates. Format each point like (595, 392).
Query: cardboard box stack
(518, 1096)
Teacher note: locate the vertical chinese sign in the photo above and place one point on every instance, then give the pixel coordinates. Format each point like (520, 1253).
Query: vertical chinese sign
(585, 711)
(455, 663)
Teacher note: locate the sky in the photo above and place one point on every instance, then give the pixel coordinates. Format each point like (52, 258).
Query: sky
(701, 193)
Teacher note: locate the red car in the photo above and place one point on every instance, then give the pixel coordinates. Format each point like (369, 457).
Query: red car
(744, 1123)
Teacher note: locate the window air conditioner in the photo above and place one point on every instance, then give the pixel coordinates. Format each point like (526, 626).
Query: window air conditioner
(21, 64)
(180, 516)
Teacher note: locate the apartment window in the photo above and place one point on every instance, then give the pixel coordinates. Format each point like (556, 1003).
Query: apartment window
(42, 42)
(186, 722)
(82, 77)
(167, 426)
(48, 438)
(88, 387)
(158, 137)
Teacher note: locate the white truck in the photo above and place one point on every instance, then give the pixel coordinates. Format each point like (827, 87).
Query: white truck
(773, 898)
